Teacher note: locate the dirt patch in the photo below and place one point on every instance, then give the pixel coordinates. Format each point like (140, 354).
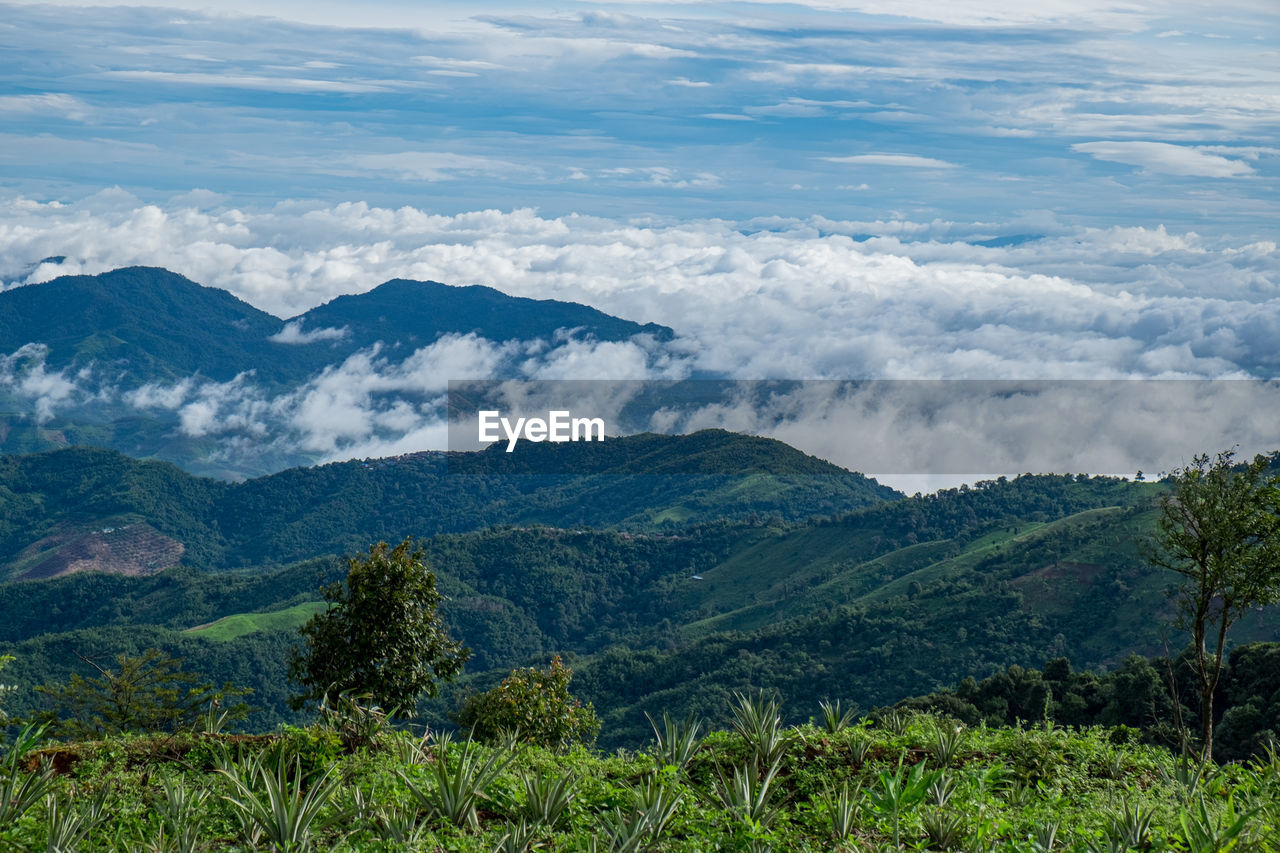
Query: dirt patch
(135, 549)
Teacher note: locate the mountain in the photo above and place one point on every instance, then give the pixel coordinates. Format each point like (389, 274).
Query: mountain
(416, 313)
(89, 509)
(893, 599)
(147, 362)
(138, 325)
(144, 324)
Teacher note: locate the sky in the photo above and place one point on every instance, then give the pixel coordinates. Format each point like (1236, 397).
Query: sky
(988, 189)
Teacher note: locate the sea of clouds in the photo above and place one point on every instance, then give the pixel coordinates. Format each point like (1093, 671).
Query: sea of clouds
(767, 298)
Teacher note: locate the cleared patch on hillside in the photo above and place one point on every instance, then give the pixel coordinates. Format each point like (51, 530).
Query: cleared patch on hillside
(239, 624)
(134, 549)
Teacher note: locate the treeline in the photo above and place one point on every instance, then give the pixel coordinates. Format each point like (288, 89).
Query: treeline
(341, 508)
(1155, 696)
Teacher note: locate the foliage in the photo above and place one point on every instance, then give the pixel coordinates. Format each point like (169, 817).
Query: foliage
(21, 789)
(4, 688)
(467, 797)
(381, 636)
(145, 693)
(535, 706)
(676, 741)
(1220, 530)
(277, 805)
(1136, 697)
(461, 778)
(866, 608)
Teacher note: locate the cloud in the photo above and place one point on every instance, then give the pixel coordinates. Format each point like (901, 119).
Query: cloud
(293, 106)
(775, 297)
(292, 334)
(433, 165)
(1166, 159)
(24, 374)
(243, 81)
(907, 161)
(56, 103)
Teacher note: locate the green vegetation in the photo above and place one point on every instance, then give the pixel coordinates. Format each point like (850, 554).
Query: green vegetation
(533, 706)
(890, 601)
(380, 636)
(1220, 530)
(1154, 698)
(904, 781)
(240, 624)
(61, 503)
(147, 693)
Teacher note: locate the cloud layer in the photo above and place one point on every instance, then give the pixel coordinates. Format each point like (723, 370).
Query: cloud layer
(768, 298)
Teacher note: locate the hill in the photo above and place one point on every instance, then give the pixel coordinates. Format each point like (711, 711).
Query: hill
(56, 507)
(145, 324)
(147, 362)
(896, 599)
(412, 314)
(141, 324)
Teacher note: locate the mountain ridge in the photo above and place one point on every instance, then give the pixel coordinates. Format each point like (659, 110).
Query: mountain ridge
(150, 363)
(60, 497)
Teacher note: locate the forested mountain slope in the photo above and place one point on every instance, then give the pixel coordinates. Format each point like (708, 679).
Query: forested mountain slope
(892, 600)
(59, 511)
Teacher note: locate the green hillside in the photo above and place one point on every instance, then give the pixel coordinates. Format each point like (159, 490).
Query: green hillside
(415, 313)
(892, 600)
(149, 324)
(64, 499)
(239, 624)
(145, 322)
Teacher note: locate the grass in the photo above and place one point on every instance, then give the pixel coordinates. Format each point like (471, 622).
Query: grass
(239, 624)
(861, 788)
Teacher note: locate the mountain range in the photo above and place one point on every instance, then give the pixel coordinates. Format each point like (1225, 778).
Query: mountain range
(145, 361)
(665, 592)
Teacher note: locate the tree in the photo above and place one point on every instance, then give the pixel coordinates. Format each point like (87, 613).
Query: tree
(381, 635)
(535, 705)
(145, 693)
(1220, 529)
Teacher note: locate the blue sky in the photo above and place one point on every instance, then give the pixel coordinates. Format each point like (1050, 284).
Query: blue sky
(1088, 113)
(981, 189)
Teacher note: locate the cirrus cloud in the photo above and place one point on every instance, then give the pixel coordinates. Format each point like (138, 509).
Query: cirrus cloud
(1166, 159)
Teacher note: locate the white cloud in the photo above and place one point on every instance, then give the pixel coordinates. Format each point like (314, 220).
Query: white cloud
(908, 161)
(24, 374)
(56, 103)
(244, 81)
(778, 297)
(292, 334)
(772, 298)
(433, 165)
(1163, 158)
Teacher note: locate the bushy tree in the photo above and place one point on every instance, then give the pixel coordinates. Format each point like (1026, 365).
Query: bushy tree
(534, 705)
(1220, 529)
(382, 635)
(144, 693)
